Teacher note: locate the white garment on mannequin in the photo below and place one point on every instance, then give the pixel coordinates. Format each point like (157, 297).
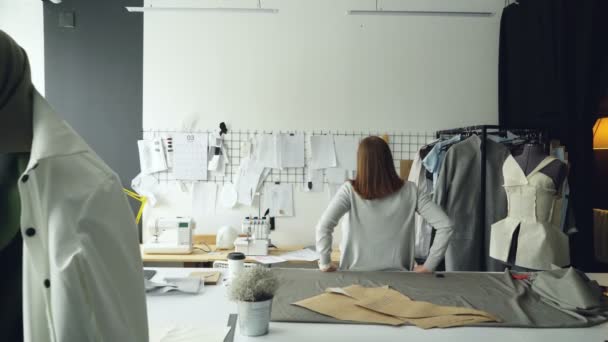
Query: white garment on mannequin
(531, 199)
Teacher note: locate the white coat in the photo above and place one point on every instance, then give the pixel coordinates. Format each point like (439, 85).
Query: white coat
(82, 271)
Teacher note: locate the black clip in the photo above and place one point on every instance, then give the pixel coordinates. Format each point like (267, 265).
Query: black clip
(223, 128)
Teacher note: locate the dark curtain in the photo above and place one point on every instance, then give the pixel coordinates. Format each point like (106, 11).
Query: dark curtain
(551, 56)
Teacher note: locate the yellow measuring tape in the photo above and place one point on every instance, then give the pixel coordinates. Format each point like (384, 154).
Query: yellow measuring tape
(142, 199)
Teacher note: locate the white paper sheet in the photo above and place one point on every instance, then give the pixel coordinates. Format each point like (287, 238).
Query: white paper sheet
(335, 175)
(204, 198)
(152, 156)
(304, 254)
(248, 179)
(190, 156)
(188, 333)
(268, 150)
(268, 259)
(278, 198)
(346, 151)
(323, 153)
(292, 150)
(147, 185)
(314, 181)
(228, 196)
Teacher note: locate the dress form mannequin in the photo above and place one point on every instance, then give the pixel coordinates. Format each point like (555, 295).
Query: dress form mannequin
(532, 155)
(528, 160)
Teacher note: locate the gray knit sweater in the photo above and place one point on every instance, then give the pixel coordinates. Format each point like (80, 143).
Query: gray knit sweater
(379, 234)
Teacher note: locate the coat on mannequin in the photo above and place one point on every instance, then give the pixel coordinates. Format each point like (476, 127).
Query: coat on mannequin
(82, 270)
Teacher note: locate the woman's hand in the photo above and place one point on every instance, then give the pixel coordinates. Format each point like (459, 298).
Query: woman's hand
(331, 267)
(421, 269)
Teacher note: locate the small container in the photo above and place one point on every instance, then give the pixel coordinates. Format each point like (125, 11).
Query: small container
(236, 264)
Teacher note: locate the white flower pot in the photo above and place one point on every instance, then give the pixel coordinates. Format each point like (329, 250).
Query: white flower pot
(254, 317)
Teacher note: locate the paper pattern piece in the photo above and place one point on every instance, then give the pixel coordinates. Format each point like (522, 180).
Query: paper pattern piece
(383, 305)
(190, 156)
(204, 197)
(345, 308)
(152, 156)
(268, 150)
(278, 198)
(304, 254)
(323, 153)
(184, 333)
(314, 181)
(248, 179)
(292, 150)
(346, 151)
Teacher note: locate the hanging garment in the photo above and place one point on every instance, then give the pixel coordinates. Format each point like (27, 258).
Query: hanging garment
(432, 162)
(423, 230)
(540, 244)
(458, 193)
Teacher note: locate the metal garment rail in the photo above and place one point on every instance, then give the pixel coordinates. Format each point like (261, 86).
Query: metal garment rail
(483, 130)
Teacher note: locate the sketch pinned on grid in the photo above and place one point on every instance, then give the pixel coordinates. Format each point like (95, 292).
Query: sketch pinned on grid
(404, 145)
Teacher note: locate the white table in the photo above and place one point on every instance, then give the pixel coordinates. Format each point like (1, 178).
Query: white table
(212, 307)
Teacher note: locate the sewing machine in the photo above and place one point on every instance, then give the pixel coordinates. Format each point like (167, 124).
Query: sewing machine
(257, 240)
(171, 235)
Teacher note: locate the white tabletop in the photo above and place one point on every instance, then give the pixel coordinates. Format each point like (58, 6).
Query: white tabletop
(211, 307)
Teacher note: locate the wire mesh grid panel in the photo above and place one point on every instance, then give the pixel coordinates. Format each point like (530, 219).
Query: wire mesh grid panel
(404, 145)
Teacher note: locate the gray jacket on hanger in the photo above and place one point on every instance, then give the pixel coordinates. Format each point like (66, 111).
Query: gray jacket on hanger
(458, 193)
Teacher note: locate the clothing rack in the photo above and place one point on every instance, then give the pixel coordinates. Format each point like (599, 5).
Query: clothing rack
(482, 131)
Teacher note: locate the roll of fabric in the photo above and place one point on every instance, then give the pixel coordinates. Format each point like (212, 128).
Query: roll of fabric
(600, 233)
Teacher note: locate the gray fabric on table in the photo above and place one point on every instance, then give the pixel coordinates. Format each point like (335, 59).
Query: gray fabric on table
(569, 290)
(512, 301)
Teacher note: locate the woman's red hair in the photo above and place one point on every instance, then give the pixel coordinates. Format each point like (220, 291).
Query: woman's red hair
(376, 174)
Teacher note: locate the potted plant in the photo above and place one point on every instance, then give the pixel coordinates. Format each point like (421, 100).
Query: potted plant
(253, 289)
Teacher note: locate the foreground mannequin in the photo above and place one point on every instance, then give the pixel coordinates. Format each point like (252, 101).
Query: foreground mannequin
(379, 223)
(82, 275)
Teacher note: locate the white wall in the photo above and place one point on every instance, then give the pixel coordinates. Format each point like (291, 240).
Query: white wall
(312, 66)
(23, 20)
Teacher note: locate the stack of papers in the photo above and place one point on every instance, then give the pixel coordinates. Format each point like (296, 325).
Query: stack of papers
(186, 285)
(301, 255)
(183, 333)
(268, 259)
